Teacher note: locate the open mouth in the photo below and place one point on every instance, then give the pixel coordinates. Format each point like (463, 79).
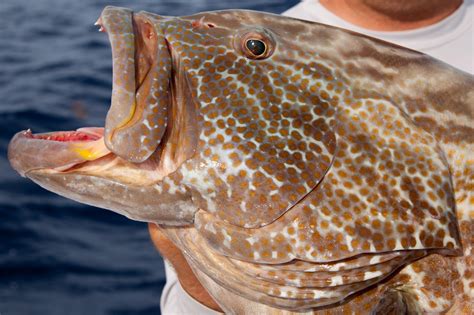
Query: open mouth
(152, 117)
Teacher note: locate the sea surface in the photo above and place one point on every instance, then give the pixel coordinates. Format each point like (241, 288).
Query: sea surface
(58, 256)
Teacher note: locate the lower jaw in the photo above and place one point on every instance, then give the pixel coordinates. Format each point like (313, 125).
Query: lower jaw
(55, 150)
(47, 154)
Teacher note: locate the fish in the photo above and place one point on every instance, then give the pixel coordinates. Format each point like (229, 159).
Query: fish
(299, 167)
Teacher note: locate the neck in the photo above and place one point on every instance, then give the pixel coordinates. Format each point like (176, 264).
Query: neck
(389, 15)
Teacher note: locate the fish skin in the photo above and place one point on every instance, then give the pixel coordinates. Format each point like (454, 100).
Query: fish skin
(332, 149)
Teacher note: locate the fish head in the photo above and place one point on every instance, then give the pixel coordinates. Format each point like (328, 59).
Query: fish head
(205, 102)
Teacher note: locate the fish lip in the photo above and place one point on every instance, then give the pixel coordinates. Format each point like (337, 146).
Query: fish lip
(28, 151)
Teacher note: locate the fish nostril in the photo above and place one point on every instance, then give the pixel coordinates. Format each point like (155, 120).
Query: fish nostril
(200, 23)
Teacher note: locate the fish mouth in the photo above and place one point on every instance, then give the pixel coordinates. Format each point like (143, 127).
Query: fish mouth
(91, 150)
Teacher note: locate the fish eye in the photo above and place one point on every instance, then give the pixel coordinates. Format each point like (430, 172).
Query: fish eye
(256, 47)
(255, 44)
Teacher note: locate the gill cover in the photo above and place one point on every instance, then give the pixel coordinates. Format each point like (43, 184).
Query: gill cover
(388, 189)
(265, 141)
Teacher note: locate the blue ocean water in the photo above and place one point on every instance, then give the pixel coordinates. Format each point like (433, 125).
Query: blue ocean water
(58, 256)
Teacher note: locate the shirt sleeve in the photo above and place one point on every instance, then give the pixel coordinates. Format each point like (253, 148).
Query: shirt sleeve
(176, 301)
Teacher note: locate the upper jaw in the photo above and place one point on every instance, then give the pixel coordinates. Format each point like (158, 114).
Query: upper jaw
(138, 117)
(161, 117)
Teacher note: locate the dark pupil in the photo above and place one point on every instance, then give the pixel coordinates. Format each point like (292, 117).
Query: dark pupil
(257, 47)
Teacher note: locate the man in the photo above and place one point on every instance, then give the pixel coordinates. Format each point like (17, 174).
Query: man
(443, 29)
(440, 28)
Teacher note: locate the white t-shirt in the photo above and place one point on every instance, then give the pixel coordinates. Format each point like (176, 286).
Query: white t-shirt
(176, 301)
(450, 40)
